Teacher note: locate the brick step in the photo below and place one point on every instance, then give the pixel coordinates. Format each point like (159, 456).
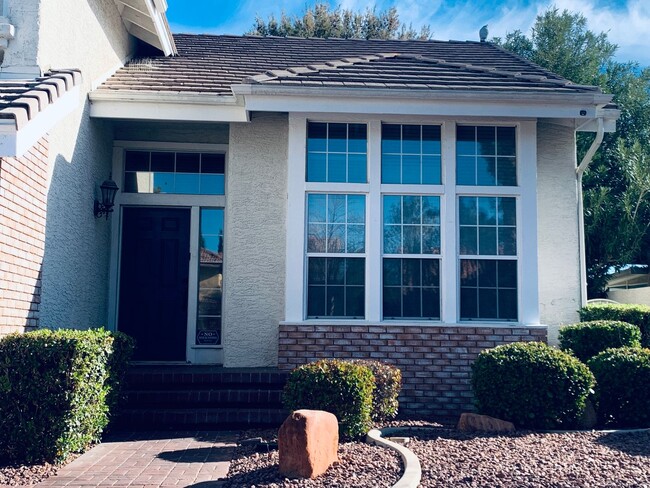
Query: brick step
(203, 418)
(184, 377)
(204, 397)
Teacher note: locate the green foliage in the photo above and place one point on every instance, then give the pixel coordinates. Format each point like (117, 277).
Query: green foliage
(340, 387)
(587, 339)
(118, 364)
(53, 391)
(322, 21)
(388, 383)
(638, 315)
(531, 384)
(617, 183)
(622, 386)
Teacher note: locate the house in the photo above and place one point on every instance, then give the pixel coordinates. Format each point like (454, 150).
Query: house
(630, 285)
(285, 199)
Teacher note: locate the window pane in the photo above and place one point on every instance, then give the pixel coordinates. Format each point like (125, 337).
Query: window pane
(337, 138)
(494, 162)
(357, 138)
(468, 303)
(411, 305)
(356, 238)
(508, 274)
(335, 238)
(335, 306)
(411, 272)
(465, 141)
(316, 205)
(466, 170)
(136, 161)
(392, 239)
(507, 211)
(212, 163)
(486, 138)
(336, 168)
(409, 296)
(412, 239)
(316, 271)
(487, 273)
(468, 272)
(210, 276)
(391, 138)
(468, 240)
(336, 208)
(356, 209)
(488, 289)
(209, 184)
(186, 183)
(316, 237)
(485, 171)
(162, 162)
(356, 270)
(336, 287)
(392, 209)
(467, 210)
(354, 301)
(487, 240)
(411, 139)
(507, 241)
(487, 303)
(392, 272)
(356, 168)
(431, 272)
(316, 168)
(316, 301)
(188, 162)
(391, 169)
(392, 302)
(411, 212)
(431, 303)
(431, 210)
(506, 172)
(430, 240)
(410, 170)
(431, 170)
(316, 137)
(335, 271)
(506, 143)
(487, 211)
(430, 139)
(508, 304)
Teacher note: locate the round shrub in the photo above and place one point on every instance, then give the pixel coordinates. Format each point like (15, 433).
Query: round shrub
(587, 339)
(623, 386)
(638, 315)
(388, 383)
(340, 387)
(531, 384)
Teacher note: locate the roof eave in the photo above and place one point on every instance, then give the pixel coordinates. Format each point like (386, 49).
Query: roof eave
(146, 20)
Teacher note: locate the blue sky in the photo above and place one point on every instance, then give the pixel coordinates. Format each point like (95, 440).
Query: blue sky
(627, 22)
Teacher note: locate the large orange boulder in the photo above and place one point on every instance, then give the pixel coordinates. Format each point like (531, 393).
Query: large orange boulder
(308, 442)
(473, 422)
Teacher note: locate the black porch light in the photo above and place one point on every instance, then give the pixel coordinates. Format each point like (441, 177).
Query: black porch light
(105, 207)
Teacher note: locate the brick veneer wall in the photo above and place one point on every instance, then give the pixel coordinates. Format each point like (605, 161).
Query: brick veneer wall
(23, 198)
(435, 361)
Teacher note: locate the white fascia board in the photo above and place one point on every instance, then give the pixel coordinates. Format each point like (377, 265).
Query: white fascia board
(15, 143)
(135, 105)
(415, 102)
(162, 28)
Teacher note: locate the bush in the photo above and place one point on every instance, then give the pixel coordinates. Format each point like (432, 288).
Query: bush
(53, 392)
(531, 384)
(118, 364)
(623, 386)
(388, 383)
(638, 315)
(340, 387)
(587, 339)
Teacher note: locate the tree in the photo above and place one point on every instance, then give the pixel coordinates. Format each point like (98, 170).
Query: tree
(616, 186)
(321, 21)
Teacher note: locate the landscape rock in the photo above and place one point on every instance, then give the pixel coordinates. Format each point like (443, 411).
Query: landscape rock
(473, 422)
(308, 442)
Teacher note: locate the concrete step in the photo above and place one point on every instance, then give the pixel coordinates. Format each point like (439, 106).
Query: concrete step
(205, 397)
(200, 418)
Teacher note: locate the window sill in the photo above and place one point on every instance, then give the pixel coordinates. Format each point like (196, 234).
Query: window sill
(413, 323)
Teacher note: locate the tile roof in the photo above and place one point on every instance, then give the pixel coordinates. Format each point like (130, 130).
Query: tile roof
(22, 100)
(212, 64)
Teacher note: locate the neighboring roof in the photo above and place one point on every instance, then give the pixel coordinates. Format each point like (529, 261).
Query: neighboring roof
(23, 100)
(632, 277)
(213, 64)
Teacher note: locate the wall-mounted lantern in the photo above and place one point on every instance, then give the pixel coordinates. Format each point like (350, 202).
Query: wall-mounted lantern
(105, 207)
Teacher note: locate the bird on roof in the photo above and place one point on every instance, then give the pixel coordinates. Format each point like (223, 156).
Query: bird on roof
(483, 33)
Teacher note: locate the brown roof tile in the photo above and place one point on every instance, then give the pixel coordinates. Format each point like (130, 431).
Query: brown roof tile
(212, 64)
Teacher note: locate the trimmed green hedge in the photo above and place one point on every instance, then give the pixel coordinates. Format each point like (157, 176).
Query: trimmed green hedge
(388, 383)
(54, 389)
(623, 386)
(638, 315)
(340, 387)
(587, 339)
(531, 384)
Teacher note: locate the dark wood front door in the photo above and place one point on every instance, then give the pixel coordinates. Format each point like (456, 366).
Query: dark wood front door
(154, 281)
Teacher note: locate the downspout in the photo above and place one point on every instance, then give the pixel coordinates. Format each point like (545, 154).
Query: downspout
(584, 164)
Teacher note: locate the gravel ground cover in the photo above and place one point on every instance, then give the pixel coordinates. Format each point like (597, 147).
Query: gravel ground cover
(360, 466)
(16, 475)
(525, 459)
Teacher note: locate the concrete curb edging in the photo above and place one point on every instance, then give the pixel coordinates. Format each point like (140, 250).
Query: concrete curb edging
(412, 469)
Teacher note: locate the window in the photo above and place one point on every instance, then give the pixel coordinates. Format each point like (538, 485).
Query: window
(488, 287)
(336, 153)
(174, 172)
(336, 232)
(208, 325)
(410, 154)
(397, 228)
(485, 156)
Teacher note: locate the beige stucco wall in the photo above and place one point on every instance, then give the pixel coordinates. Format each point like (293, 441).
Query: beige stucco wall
(254, 267)
(557, 225)
(22, 51)
(88, 35)
(632, 295)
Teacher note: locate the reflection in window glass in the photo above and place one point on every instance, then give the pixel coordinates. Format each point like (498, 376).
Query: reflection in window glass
(411, 288)
(410, 154)
(208, 327)
(335, 287)
(171, 172)
(488, 289)
(336, 223)
(487, 226)
(336, 153)
(486, 156)
(411, 224)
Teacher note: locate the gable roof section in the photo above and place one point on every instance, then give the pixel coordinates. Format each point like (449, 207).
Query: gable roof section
(213, 64)
(146, 20)
(224, 78)
(412, 71)
(29, 108)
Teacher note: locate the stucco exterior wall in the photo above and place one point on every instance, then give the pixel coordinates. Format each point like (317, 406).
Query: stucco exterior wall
(75, 265)
(254, 266)
(632, 295)
(557, 225)
(22, 51)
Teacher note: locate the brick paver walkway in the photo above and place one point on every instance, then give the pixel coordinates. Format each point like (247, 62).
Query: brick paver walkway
(152, 459)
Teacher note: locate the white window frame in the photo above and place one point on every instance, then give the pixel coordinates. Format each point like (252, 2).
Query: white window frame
(525, 192)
